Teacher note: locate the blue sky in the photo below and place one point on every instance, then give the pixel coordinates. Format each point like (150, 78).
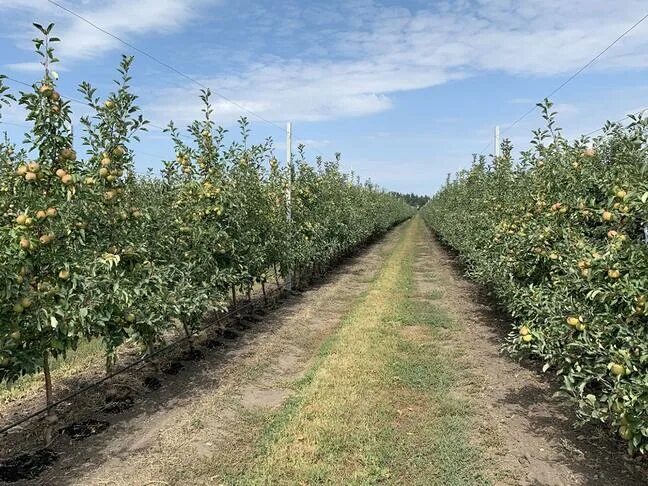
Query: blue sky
(405, 90)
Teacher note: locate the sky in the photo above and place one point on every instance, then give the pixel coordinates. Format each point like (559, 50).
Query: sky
(406, 91)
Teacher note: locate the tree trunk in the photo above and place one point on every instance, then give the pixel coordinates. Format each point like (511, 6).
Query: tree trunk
(51, 415)
(188, 334)
(48, 380)
(110, 361)
(149, 352)
(276, 275)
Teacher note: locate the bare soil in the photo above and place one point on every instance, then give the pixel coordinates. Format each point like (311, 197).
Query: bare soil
(84, 368)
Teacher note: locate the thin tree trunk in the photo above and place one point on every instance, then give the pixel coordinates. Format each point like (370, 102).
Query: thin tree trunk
(265, 297)
(48, 380)
(109, 364)
(51, 416)
(153, 361)
(237, 315)
(276, 275)
(188, 334)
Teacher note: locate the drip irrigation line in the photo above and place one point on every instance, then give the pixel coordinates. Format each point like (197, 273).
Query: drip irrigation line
(144, 359)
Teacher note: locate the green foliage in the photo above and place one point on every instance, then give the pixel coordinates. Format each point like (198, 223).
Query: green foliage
(89, 250)
(560, 239)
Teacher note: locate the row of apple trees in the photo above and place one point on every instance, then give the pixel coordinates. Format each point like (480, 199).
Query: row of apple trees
(560, 237)
(90, 250)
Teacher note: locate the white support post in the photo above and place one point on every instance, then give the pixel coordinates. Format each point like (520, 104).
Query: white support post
(496, 141)
(289, 190)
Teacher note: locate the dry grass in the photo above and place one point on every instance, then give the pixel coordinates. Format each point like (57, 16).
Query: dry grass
(87, 355)
(377, 407)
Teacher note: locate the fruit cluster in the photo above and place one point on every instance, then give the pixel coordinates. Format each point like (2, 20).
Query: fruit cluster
(560, 239)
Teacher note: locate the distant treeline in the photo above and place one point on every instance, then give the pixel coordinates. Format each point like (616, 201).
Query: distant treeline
(412, 199)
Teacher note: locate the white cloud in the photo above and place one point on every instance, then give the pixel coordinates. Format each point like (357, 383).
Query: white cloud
(123, 18)
(312, 143)
(347, 59)
(566, 109)
(22, 4)
(25, 67)
(373, 52)
(290, 92)
(14, 113)
(522, 101)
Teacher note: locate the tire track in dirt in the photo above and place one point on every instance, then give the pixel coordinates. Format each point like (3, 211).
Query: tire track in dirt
(211, 415)
(526, 434)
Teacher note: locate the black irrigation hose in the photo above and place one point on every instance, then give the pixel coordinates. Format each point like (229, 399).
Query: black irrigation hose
(163, 349)
(143, 359)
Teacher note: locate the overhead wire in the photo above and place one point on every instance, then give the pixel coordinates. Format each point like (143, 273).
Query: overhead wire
(81, 102)
(575, 74)
(165, 64)
(85, 103)
(173, 69)
(640, 112)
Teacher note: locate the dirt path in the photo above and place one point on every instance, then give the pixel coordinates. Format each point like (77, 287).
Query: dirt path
(389, 372)
(213, 412)
(414, 391)
(526, 434)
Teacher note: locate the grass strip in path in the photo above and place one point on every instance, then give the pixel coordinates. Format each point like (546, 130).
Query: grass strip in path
(378, 406)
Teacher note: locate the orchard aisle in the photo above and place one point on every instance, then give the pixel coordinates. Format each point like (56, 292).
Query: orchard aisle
(413, 390)
(206, 423)
(388, 373)
(525, 435)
